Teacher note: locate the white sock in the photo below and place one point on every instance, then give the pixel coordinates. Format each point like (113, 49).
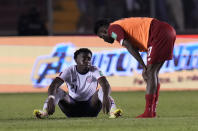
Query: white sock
(113, 105)
(45, 105)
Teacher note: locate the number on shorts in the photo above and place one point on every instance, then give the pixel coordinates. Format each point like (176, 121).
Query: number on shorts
(149, 51)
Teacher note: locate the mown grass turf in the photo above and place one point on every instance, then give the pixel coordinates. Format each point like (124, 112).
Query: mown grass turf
(177, 111)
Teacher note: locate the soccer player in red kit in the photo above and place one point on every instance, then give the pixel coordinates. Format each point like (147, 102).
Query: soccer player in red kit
(142, 34)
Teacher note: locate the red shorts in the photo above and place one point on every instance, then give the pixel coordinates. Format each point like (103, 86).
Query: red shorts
(161, 42)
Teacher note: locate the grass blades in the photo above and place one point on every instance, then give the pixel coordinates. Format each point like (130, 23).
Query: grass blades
(177, 111)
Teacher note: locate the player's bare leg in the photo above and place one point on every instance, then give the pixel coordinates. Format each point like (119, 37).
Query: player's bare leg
(157, 93)
(151, 90)
(95, 102)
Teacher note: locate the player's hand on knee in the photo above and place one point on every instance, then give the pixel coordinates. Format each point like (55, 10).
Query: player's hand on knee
(106, 104)
(50, 106)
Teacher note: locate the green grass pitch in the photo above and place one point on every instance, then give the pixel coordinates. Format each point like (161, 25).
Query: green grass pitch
(177, 111)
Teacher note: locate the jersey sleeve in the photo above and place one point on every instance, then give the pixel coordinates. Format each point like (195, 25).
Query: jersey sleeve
(116, 32)
(64, 75)
(97, 73)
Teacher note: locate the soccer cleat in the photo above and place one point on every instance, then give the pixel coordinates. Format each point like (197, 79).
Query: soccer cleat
(146, 114)
(40, 114)
(116, 113)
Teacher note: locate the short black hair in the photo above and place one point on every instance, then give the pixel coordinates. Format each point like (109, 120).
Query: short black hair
(99, 23)
(85, 50)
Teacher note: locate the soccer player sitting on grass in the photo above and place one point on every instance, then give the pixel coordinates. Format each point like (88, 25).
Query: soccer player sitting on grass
(83, 99)
(145, 35)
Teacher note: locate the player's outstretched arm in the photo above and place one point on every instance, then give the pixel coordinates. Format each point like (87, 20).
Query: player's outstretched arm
(56, 83)
(134, 52)
(106, 89)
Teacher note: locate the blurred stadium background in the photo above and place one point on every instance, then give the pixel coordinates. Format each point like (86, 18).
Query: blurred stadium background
(42, 35)
(38, 38)
(62, 17)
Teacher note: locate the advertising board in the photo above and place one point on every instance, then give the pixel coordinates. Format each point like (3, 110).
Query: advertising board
(29, 64)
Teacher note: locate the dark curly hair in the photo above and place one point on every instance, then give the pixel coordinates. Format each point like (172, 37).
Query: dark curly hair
(99, 23)
(85, 50)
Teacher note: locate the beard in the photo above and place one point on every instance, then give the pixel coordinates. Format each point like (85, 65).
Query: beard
(83, 69)
(109, 40)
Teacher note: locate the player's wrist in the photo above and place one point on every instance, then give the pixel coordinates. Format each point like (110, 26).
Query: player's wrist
(105, 95)
(51, 96)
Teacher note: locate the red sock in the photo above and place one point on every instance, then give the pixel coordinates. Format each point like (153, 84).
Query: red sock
(148, 113)
(156, 100)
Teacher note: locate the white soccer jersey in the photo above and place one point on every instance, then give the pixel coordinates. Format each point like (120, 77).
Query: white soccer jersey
(81, 87)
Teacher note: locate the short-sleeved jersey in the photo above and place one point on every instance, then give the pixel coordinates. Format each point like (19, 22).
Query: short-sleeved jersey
(81, 86)
(136, 30)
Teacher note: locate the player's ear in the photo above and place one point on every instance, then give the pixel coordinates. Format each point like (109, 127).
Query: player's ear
(75, 61)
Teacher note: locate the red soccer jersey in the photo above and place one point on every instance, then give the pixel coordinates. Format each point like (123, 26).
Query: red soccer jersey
(136, 30)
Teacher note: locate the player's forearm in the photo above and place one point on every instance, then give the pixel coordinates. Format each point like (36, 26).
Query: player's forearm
(105, 86)
(106, 89)
(56, 83)
(134, 52)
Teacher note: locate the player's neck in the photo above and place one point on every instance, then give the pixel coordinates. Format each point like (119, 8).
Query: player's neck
(82, 71)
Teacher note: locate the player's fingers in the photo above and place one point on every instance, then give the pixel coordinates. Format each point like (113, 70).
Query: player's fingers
(50, 107)
(103, 109)
(108, 107)
(107, 110)
(50, 110)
